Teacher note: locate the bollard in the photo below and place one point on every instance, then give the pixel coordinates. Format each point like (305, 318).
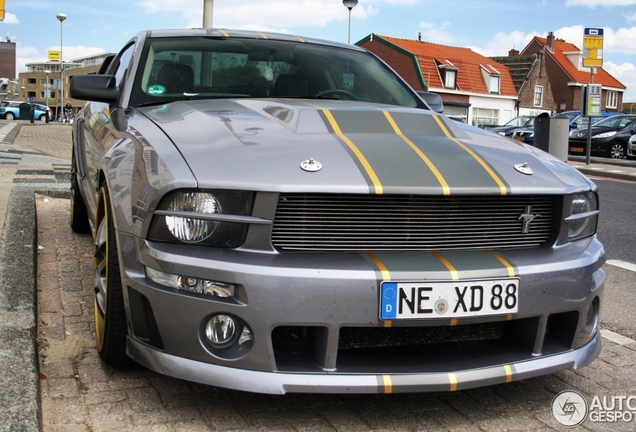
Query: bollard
(32, 115)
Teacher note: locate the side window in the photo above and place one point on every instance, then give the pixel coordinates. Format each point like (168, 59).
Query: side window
(121, 63)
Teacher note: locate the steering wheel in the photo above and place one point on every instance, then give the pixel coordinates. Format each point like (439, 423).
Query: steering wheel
(349, 95)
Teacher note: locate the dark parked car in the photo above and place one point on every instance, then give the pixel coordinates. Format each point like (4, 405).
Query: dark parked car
(512, 125)
(609, 137)
(275, 214)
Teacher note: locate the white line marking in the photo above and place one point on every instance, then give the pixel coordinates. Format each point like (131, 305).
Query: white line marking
(622, 264)
(616, 338)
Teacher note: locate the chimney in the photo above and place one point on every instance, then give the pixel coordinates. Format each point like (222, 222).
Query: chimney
(513, 53)
(419, 36)
(551, 41)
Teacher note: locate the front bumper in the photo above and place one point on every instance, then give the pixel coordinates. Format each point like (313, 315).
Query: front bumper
(300, 308)
(281, 383)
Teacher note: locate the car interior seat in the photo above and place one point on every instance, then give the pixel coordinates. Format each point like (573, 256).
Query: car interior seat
(290, 85)
(176, 77)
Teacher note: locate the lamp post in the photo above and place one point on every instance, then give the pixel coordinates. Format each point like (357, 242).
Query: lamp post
(61, 17)
(563, 105)
(46, 87)
(349, 4)
(207, 13)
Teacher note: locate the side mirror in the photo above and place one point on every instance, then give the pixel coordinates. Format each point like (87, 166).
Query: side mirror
(95, 88)
(433, 100)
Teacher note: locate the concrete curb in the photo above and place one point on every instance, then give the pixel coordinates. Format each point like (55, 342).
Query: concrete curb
(19, 368)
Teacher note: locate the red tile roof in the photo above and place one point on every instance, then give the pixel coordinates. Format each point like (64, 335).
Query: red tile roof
(601, 76)
(469, 65)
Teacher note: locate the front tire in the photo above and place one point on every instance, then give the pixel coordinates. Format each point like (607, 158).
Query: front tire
(618, 150)
(110, 313)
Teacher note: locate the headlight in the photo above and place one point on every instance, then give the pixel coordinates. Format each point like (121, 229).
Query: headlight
(583, 216)
(189, 229)
(501, 133)
(213, 217)
(605, 135)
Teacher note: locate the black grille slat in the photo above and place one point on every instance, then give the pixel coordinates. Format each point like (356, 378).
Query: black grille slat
(381, 222)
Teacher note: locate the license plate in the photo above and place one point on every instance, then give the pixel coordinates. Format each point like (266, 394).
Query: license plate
(520, 138)
(448, 299)
(577, 149)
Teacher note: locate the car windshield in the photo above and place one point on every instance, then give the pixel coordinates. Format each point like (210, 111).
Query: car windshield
(615, 122)
(519, 121)
(201, 68)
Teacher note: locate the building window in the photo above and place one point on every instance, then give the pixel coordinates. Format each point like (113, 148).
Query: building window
(31, 95)
(485, 116)
(494, 83)
(538, 95)
(450, 79)
(612, 99)
(32, 81)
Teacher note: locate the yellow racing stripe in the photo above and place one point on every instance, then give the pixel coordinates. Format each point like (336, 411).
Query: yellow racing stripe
(452, 378)
(388, 385)
(363, 160)
(420, 153)
(226, 34)
(495, 177)
(509, 374)
(263, 35)
(448, 265)
(386, 276)
(509, 267)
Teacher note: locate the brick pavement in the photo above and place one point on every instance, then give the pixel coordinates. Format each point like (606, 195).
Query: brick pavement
(79, 393)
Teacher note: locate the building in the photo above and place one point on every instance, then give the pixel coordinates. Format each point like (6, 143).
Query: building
(7, 69)
(41, 81)
(472, 86)
(564, 66)
(530, 77)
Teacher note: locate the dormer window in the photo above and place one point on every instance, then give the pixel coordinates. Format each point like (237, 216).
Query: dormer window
(494, 83)
(492, 78)
(448, 74)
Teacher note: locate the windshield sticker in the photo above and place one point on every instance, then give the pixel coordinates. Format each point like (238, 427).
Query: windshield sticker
(156, 90)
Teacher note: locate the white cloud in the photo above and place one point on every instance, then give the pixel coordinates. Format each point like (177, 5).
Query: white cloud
(279, 14)
(437, 33)
(501, 43)
(10, 18)
(596, 3)
(625, 73)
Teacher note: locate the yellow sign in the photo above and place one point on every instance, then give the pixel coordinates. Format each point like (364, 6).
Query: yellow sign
(593, 47)
(54, 55)
(2, 10)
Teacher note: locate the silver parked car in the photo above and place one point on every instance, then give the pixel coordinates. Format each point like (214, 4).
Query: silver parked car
(277, 214)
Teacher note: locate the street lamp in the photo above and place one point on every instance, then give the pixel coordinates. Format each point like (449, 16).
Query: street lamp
(61, 17)
(563, 105)
(349, 4)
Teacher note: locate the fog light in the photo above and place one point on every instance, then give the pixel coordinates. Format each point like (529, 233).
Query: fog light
(222, 331)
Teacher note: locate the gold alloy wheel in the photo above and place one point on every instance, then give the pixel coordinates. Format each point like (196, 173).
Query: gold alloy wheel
(100, 265)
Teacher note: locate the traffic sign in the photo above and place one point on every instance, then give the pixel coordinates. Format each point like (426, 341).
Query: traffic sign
(593, 47)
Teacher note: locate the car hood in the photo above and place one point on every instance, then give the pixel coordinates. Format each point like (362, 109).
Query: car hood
(295, 145)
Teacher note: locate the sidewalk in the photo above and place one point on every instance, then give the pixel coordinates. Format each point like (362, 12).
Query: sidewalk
(53, 380)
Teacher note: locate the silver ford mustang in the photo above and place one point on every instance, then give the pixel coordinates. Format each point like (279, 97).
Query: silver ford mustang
(278, 214)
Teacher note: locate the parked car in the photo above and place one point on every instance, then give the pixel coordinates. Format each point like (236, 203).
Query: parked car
(513, 124)
(609, 137)
(631, 147)
(290, 217)
(10, 110)
(527, 134)
(580, 122)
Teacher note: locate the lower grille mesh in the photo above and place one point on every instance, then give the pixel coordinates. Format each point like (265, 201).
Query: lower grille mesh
(404, 222)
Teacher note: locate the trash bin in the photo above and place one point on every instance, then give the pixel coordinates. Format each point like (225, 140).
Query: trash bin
(25, 111)
(551, 134)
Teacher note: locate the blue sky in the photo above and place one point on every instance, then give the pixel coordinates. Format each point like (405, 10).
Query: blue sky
(490, 27)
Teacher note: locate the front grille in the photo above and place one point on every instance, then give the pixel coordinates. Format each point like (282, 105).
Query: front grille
(405, 222)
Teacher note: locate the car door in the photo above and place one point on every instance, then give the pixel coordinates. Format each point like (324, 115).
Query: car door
(95, 135)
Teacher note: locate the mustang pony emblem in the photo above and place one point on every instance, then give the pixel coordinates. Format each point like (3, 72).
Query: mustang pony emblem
(527, 219)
